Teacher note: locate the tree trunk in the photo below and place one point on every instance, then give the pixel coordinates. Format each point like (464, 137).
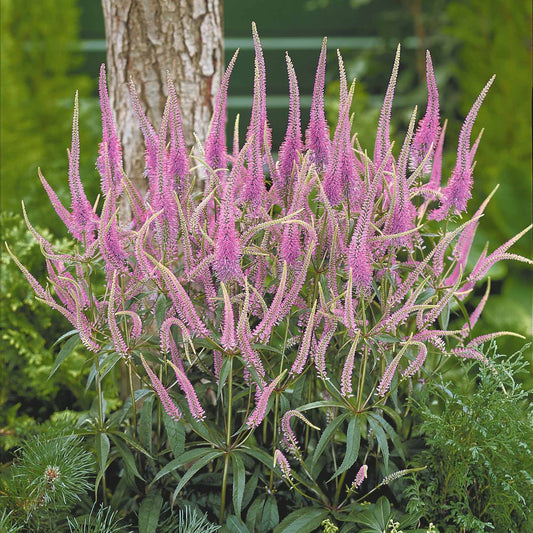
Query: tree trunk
(145, 38)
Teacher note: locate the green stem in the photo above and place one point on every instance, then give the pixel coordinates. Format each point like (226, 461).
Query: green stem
(274, 438)
(133, 405)
(362, 377)
(224, 487)
(228, 442)
(100, 420)
(340, 484)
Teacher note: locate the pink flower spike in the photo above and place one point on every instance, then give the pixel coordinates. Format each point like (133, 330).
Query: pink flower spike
(170, 407)
(289, 438)
(474, 317)
(458, 191)
(35, 285)
(116, 336)
(292, 145)
(386, 380)
(260, 409)
(148, 132)
(436, 171)
(464, 243)
(383, 134)
(281, 461)
(417, 363)
(360, 477)
(319, 355)
(428, 128)
(303, 352)
(347, 371)
(317, 134)
(250, 356)
(178, 160)
(196, 409)
(182, 301)
(215, 144)
(83, 216)
(61, 211)
(254, 186)
(227, 243)
(110, 139)
(137, 323)
(228, 328)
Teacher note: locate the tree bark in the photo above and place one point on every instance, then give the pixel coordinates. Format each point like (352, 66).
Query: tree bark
(145, 38)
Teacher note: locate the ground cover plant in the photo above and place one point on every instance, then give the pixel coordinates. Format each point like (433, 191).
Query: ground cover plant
(271, 317)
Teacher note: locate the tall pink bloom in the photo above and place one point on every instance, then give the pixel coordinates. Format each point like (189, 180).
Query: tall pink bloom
(258, 414)
(383, 134)
(110, 146)
(227, 242)
(360, 477)
(290, 149)
(170, 407)
(458, 191)
(427, 133)
(317, 134)
(196, 409)
(215, 144)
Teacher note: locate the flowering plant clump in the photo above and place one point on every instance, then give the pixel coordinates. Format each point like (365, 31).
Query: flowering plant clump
(277, 309)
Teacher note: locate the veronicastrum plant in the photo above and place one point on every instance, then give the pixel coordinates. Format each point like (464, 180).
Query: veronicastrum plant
(280, 311)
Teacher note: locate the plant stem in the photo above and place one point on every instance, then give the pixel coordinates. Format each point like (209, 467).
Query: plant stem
(133, 405)
(100, 421)
(228, 442)
(274, 438)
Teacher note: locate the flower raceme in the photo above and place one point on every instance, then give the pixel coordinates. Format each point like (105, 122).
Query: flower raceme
(341, 257)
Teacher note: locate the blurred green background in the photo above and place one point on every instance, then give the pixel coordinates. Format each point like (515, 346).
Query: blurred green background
(51, 48)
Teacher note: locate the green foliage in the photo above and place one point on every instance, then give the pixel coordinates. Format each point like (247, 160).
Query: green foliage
(104, 520)
(37, 61)
(478, 451)
(49, 476)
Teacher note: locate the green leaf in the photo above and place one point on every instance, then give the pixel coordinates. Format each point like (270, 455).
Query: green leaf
(126, 438)
(326, 436)
(224, 371)
(319, 405)
(175, 434)
(270, 518)
(353, 439)
(249, 488)
(160, 310)
(304, 520)
(398, 446)
(127, 456)
(384, 337)
(382, 510)
(187, 457)
(255, 513)
(107, 364)
(444, 317)
(381, 438)
(65, 336)
(198, 465)
(239, 481)
(149, 512)
(235, 525)
(145, 423)
(65, 351)
(102, 452)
